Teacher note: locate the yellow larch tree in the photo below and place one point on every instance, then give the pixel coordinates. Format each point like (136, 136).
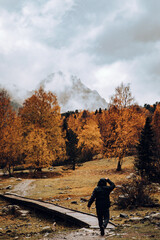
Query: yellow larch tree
(124, 133)
(10, 133)
(78, 120)
(107, 124)
(123, 123)
(42, 112)
(12, 144)
(37, 153)
(73, 122)
(127, 131)
(85, 126)
(122, 97)
(90, 137)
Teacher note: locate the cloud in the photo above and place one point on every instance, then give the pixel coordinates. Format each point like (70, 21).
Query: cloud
(24, 50)
(127, 33)
(102, 42)
(142, 73)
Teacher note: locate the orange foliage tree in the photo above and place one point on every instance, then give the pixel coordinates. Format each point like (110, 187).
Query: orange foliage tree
(36, 150)
(12, 144)
(77, 121)
(121, 125)
(156, 124)
(85, 126)
(90, 137)
(10, 133)
(6, 112)
(41, 119)
(122, 97)
(156, 128)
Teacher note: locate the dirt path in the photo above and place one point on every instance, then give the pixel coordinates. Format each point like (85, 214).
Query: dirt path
(82, 234)
(23, 187)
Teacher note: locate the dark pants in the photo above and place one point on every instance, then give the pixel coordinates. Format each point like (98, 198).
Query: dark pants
(103, 217)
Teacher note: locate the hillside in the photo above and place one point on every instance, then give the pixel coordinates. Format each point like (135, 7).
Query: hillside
(69, 189)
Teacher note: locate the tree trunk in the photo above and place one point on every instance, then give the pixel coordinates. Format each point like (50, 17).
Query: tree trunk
(10, 171)
(74, 165)
(119, 165)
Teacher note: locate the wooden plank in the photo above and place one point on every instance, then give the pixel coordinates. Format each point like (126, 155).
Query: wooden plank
(79, 218)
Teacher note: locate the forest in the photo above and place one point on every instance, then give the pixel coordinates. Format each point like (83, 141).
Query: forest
(38, 135)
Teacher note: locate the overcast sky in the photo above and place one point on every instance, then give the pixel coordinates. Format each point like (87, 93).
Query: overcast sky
(104, 43)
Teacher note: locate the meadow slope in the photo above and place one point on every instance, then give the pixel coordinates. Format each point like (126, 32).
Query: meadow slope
(72, 189)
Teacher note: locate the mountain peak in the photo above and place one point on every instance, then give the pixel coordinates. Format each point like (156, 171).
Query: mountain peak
(72, 94)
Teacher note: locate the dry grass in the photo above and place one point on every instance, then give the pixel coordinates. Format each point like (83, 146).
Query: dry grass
(71, 186)
(81, 182)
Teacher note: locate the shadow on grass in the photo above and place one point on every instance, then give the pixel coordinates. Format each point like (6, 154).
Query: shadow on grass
(30, 175)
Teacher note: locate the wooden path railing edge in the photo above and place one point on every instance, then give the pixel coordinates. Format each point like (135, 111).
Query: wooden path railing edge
(39, 204)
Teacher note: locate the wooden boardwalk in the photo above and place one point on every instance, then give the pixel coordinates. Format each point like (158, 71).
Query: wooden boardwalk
(75, 217)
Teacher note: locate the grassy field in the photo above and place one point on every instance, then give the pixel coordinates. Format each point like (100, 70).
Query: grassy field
(79, 183)
(67, 186)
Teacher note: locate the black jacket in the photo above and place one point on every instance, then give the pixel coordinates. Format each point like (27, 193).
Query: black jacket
(101, 194)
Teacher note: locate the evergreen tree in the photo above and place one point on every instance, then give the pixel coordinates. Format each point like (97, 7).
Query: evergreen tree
(72, 147)
(145, 161)
(96, 112)
(100, 110)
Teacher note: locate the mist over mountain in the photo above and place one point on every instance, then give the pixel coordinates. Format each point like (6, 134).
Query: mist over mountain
(72, 94)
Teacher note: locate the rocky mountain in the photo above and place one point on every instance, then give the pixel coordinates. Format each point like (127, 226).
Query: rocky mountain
(72, 94)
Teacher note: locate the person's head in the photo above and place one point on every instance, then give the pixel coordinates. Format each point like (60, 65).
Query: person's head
(102, 182)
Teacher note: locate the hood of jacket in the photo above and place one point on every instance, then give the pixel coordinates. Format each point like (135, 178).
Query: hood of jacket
(102, 182)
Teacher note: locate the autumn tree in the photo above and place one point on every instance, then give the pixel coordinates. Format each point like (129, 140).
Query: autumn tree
(77, 121)
(41, 119)
(156, 126)
(121, 100)
(11, 143)
(37, 152)
(85, 125)
(90, 138)
(74, 122)
(6, 112)
(107, 124)
(122, 122)
(122, 97)
(151, 108)
(10, 133)
(129, 124)
(156, 129)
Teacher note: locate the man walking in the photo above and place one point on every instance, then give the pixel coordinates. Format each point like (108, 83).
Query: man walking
(101, 195)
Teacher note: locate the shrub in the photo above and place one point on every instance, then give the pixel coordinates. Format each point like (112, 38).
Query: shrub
(136, 193)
